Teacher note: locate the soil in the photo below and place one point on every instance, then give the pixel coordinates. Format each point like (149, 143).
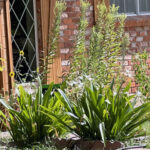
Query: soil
(6, 144)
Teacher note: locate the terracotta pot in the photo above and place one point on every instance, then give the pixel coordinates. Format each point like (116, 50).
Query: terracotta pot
(86, 145)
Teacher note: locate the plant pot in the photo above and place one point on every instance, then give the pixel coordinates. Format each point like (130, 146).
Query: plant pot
(45, 87)
(86, 145)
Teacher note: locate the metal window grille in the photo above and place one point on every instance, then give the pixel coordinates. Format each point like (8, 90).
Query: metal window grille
(24, 39)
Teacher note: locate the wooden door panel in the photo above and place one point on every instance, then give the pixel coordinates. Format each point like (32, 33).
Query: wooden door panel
(47, 18)
(6, 83)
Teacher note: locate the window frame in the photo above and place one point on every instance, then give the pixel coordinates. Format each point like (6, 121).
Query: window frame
(137, 13)
(36, 32)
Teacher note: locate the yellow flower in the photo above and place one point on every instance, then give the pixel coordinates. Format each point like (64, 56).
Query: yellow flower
(21, 53)
(11, 74)
(37, 70)
(1, 68)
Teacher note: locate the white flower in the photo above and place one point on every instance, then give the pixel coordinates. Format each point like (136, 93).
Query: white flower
(127, 73)
(115, 93)
(17, 92)
(30, 91)
(137, 56)
(139, 93)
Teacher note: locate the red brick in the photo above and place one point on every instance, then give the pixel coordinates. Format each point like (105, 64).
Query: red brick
(68, 32)
(67, 20)
(65, 68)
(143, 33)
(70, 9)
(65, 56)
(133, 84)
(61, 44)
(70, 3)
(75, 20)
(68, 44)
(72, 26)
(74, 14)
(134, 90)
(78, 3)
(147, 38)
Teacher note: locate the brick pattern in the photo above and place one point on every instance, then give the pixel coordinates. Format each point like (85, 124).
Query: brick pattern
(139, 40)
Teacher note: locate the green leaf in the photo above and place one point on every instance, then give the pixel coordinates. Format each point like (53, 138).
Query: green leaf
(102, 132)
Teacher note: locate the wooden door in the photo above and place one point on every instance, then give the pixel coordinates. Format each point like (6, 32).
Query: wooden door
(47, 18)
(6, 82)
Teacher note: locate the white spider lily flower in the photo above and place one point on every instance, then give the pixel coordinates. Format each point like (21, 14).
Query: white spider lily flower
(17, 92)
(127, 73)
(139, 93)
(115, 93)
(136, 56)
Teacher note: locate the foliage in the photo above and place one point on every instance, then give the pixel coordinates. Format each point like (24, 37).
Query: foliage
(141, 67)
(27, 124)
(99, 61)
(104, 114)
(79, 63)
(53, 39)
(108, 43)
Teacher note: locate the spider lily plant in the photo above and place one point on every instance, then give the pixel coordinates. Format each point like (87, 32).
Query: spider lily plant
(28, 124)
(102, 114)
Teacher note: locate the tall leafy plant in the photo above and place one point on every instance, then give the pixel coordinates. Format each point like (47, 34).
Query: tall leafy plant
(52, 52)
(108, 42)
(79, 63)
(141, 67)
(27, 124)
(104, 114)
(99, 61)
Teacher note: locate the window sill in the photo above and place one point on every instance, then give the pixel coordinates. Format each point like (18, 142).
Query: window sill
(138, 21)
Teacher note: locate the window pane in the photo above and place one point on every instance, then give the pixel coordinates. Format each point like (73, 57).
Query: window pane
(130, 6)
(119, 3)
(23, 39)
(148, 5)
(142, 5)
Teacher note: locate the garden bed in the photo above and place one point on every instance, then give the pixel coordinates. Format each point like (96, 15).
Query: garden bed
(86, 145)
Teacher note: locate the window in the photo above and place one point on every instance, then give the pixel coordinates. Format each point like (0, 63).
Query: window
(132, 6)
(24, 39)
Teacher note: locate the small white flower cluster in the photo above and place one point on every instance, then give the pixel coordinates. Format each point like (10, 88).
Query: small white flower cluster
(127, 73)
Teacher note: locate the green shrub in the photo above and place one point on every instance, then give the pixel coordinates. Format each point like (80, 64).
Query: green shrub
(104, 114)
(26, 123)
(98, 61)
(141, 67)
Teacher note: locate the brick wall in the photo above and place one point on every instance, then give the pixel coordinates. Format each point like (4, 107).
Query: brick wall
(138, 28)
